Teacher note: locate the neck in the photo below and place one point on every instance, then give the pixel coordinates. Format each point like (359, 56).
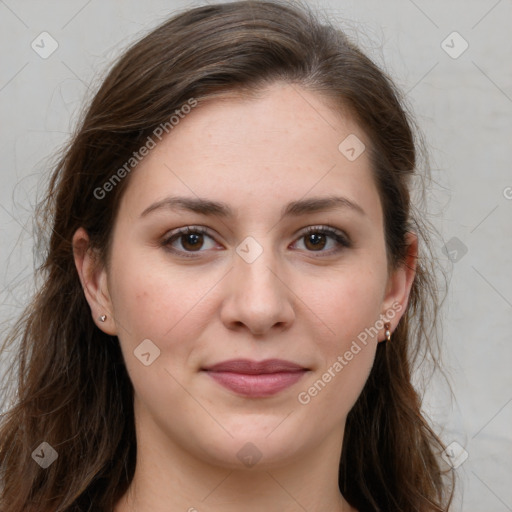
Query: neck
(171, 478)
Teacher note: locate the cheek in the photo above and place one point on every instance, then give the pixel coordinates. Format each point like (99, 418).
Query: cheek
(345, 304)
(152, 305)
(164, 304)
(348, 309)
(347, 358)
(150, 297)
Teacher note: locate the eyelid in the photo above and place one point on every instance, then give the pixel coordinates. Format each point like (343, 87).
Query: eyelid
(177, 233)
(331, 230)
(342, 239)
(339, 236)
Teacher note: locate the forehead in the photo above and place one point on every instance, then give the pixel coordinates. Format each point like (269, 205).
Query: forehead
(261, 152)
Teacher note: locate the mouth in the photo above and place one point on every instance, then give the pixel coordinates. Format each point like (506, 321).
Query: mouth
(256, 379)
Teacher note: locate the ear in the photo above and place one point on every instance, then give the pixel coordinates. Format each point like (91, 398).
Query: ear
(400, 283)
(93, 277)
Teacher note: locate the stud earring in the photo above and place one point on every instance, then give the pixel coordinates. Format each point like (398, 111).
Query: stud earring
(102, 318)
(387, 325)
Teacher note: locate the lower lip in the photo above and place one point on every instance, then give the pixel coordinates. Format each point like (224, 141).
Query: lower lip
(256, 385)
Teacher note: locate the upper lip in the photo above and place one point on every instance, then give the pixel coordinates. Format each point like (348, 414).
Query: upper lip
(249, 367)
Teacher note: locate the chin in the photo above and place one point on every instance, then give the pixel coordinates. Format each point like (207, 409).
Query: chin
(251, 448)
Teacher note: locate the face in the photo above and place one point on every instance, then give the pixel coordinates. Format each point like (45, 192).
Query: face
(251, 282)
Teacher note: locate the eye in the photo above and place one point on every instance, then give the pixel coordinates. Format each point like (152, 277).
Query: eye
(190, 238)
(317, 238)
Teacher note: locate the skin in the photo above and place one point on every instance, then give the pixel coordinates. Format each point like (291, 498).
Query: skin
(296, 301)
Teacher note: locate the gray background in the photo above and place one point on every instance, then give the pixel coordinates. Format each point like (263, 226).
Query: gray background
(462, 104)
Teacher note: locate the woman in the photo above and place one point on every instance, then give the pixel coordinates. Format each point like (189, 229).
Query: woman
(234, 290)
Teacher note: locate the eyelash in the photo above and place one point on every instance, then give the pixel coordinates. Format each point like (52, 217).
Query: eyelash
(338, 236)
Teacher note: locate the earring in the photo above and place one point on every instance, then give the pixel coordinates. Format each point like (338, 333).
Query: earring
(102, 318)
(387, 325)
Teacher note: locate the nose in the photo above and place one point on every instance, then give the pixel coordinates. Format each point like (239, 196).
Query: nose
(258, 297)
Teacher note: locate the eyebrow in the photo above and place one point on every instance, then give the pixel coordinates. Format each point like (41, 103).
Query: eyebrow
(220, 209)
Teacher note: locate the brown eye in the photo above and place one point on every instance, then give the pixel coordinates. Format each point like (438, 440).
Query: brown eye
(192, 241)
(187, 240)
(317, 238)
(315, 241)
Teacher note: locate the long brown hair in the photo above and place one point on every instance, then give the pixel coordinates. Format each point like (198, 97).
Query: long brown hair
(70, 385)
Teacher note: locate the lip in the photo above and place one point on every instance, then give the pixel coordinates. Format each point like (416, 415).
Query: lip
(256, 378)
(249, 367)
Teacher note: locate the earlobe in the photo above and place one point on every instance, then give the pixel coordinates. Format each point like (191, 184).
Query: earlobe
(400, 284)
(93, 278)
